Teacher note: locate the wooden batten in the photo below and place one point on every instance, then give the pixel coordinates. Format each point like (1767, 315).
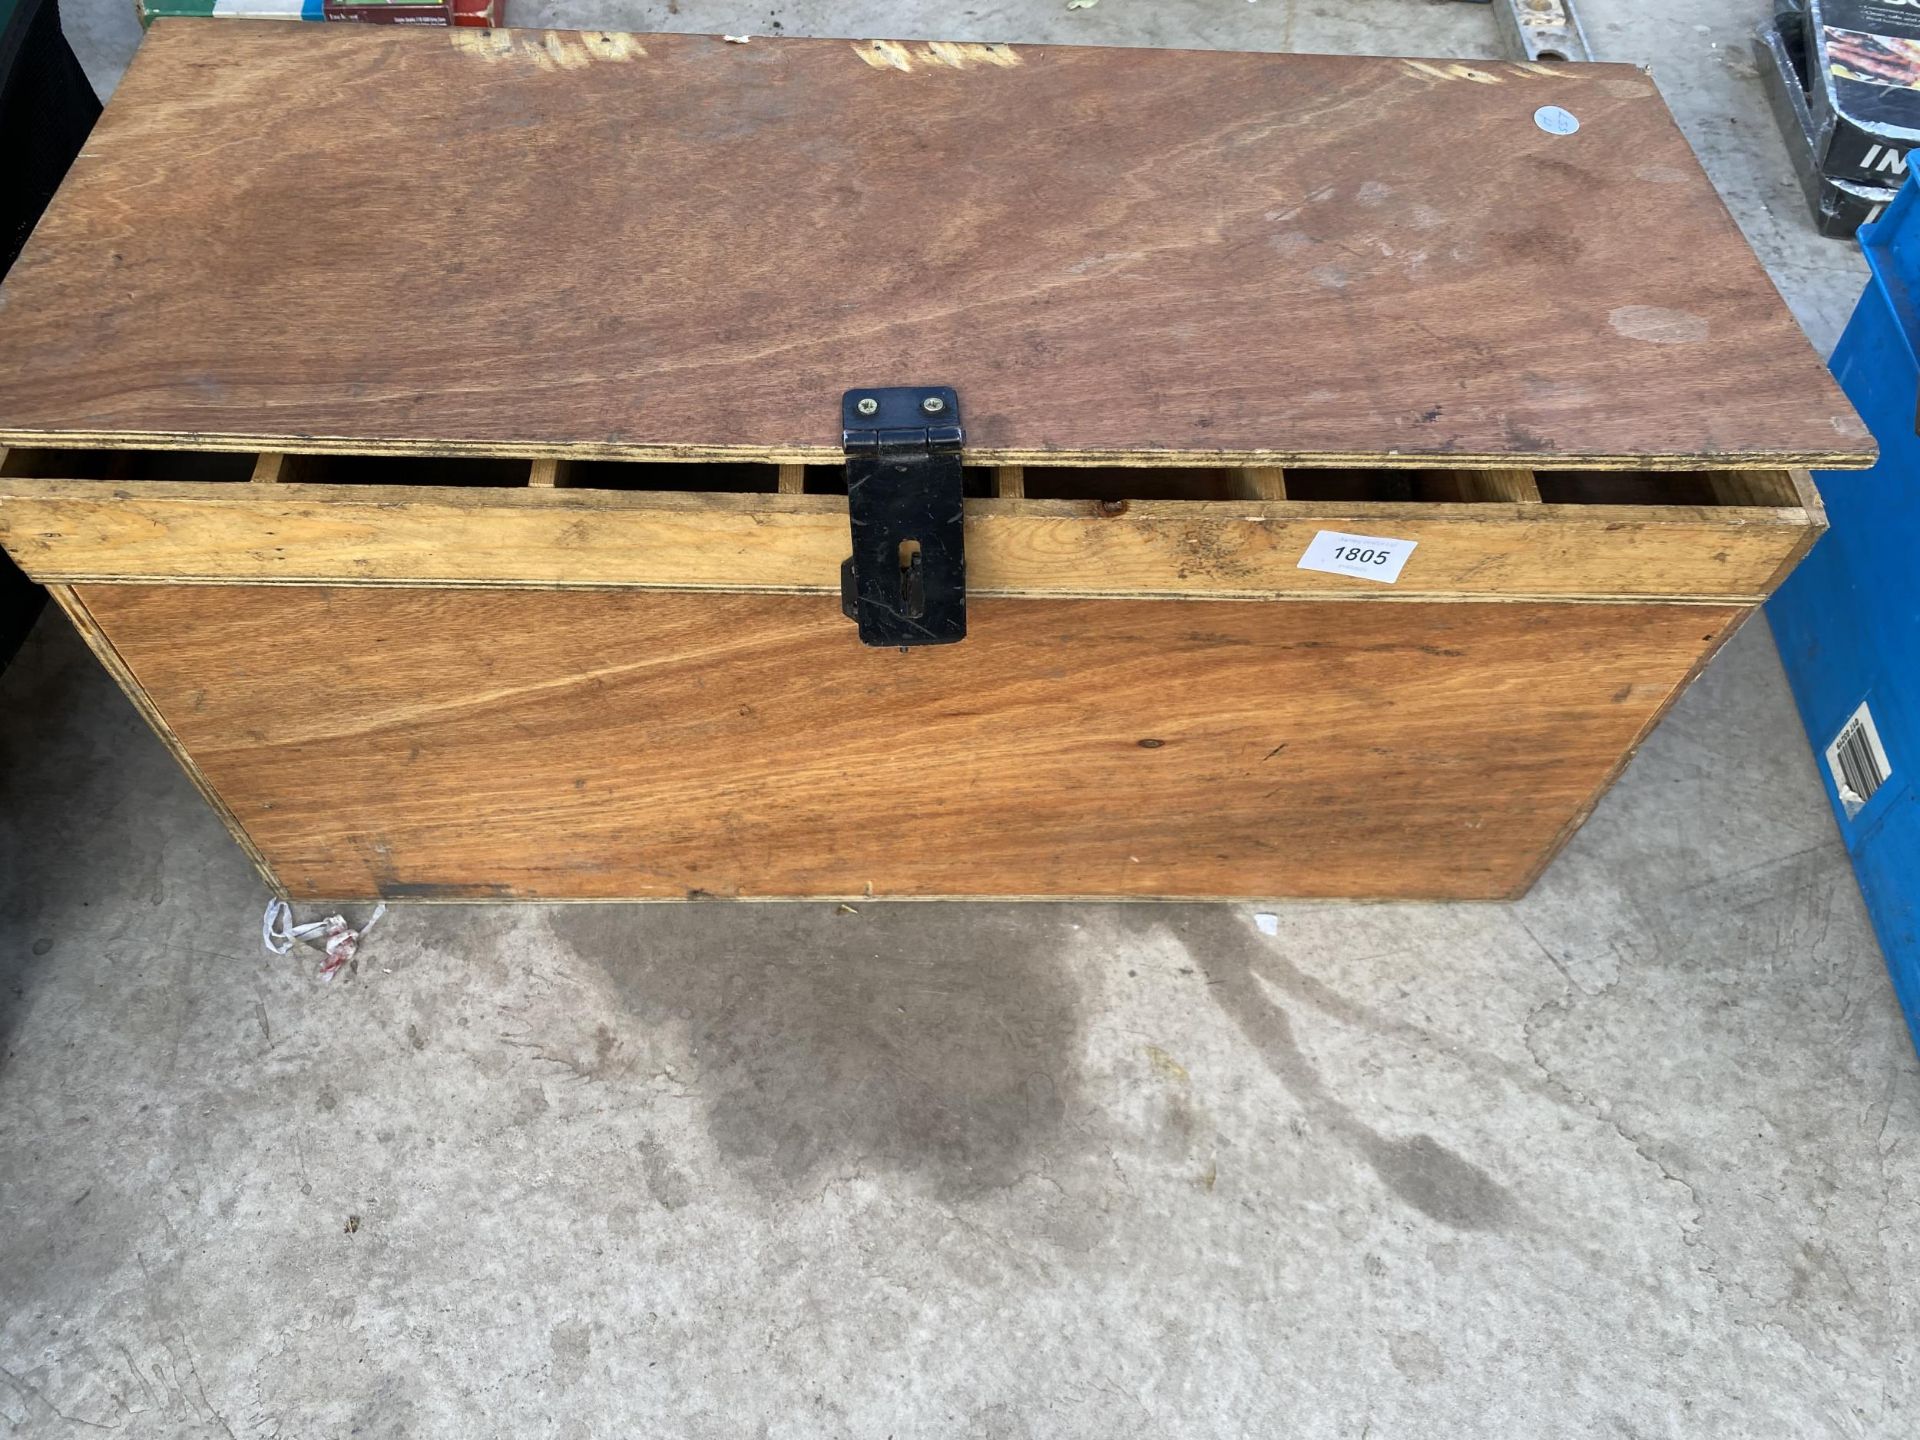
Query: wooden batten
(1010, 482)
(1259, 482)
(270, 468)
(1514, 487)
(548, 472)
(1806, 496)
(793, 480)
(68, 532)
(1776, 488)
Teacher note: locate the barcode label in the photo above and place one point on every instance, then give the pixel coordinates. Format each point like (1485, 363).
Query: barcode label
(1858, 761)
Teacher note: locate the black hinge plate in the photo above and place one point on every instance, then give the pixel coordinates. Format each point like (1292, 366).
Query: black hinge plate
(906, 581)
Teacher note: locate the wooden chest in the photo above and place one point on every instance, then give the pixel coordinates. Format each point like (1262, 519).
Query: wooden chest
(444, 437)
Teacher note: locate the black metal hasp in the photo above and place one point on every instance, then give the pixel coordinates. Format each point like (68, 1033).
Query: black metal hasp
(906, 581)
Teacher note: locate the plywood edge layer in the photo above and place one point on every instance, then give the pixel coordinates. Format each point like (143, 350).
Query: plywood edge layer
(64, 532)
(1851, 458)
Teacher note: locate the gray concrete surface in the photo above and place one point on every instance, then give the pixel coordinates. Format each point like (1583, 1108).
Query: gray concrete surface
(1635, 1157)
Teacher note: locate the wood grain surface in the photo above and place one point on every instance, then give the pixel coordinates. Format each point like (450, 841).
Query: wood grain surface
(96, 641)
(367, 237)
(643, 744)
(65, 532)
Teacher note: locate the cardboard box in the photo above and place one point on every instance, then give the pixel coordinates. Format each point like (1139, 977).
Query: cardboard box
(479, 13)
(1864, 85)
(152, 10)
(1840, 207)
(482, 14)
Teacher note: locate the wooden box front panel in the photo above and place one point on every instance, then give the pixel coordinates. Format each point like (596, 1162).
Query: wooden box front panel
(636, 744)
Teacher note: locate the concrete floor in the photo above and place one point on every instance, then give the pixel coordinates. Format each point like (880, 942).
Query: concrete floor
(1635, 1157)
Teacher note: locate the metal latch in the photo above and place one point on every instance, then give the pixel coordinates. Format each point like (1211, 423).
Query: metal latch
(906, 581)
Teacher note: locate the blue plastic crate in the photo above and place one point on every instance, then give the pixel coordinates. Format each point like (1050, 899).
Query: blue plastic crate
(1848, 620)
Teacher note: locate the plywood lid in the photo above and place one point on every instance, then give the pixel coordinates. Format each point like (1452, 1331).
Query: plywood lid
(386, 239)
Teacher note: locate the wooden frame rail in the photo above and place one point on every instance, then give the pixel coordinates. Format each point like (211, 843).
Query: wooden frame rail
(1479, 534)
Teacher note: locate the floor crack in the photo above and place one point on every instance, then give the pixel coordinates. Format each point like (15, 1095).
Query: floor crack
(29, 1391)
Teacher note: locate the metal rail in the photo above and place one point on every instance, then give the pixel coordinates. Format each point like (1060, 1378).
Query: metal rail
(1542, 29)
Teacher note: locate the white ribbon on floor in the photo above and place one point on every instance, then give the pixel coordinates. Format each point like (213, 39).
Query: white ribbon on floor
(339, 940)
